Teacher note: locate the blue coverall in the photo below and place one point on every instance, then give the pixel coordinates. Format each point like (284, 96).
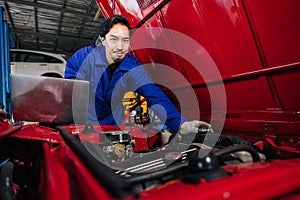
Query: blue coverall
(106, 93)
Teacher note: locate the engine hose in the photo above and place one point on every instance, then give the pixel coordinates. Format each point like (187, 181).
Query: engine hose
(233, 149)
(113, 184)
(6, 176)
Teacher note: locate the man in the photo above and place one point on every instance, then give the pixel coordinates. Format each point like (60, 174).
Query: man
(112, 71)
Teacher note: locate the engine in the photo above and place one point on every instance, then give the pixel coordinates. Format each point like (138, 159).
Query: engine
(117, 145)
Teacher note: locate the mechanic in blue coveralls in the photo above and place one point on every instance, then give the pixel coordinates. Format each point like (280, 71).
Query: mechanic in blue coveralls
(112, 71)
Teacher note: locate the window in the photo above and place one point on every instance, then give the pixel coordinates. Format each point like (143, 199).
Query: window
(50, 59)
(32, 57)
(14, 57)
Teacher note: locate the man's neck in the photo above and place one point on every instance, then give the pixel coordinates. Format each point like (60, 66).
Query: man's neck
(112, 68)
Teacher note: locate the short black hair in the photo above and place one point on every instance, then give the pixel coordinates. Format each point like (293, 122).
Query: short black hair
(108, 24)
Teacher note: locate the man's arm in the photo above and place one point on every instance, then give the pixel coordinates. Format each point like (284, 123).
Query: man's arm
(75, 62)
(162, 105)
(156, 99)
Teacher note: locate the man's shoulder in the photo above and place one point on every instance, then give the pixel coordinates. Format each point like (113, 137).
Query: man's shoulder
(97, 55)
(85, 50)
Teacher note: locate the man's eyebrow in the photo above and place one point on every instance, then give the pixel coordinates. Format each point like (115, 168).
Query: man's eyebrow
(114, 36)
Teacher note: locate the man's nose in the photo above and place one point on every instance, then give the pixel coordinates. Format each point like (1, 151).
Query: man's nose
(119, 44)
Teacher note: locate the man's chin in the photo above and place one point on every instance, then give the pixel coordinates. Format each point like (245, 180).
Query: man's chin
(119, 59)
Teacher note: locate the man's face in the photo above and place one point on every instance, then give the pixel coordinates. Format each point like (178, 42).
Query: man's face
(116, 42)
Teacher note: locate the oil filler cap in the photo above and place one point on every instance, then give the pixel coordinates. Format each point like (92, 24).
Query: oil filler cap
(206, 167)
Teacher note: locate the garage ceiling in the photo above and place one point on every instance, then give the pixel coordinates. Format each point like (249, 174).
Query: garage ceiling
(59, 26)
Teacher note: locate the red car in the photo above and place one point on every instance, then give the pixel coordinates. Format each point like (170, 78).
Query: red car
(233, 63)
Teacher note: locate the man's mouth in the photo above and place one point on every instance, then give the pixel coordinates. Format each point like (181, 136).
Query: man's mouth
(119, 53)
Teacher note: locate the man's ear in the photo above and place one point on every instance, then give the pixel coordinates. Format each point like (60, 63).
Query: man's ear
(103, 41)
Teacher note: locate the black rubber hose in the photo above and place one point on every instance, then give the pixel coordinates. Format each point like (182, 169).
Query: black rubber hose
(114, 184)
(233, 149)
(6, 182)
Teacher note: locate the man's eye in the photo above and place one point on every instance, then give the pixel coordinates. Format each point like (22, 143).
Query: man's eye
(113, 39)
(126, 41)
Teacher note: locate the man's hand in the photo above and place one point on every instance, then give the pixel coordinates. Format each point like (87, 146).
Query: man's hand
(187, 127)
(195, 126)
(165, 137)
